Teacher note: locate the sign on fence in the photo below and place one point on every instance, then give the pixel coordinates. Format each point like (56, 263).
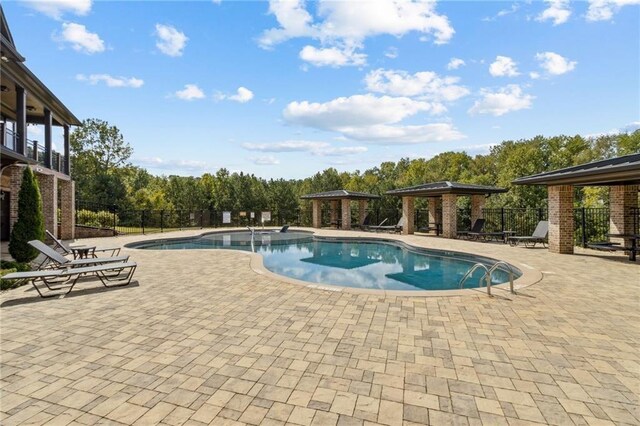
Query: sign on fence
(226, 217)
(266, 217)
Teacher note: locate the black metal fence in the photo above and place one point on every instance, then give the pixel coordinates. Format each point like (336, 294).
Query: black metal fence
(590, 224)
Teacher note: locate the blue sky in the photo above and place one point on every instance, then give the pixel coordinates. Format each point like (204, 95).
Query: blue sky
(286, 89)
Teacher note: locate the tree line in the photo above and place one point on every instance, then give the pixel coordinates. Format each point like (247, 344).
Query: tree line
(104, 175)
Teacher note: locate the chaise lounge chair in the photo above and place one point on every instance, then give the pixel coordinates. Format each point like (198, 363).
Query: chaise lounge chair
(365, 223)
(393, 228)
(111, 272)
(539, 236)
(81, 251)
(52, 257)
(477, 227)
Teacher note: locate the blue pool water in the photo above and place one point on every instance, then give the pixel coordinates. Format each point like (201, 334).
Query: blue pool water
(361, 263)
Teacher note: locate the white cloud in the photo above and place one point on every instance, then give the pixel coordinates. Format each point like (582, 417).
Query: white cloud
(455, 63)
(56, 8)
(391, 52)
(332, 57)
(629, 128)
(503, 66)
(603, 10)
(554, 64)
(314, 147)
(174, 165)
(80, 39)
(371, 119)
(342, 26)
(506, 99)
(265, 160)
(190, 93)
(503, 12)
(534, 75)
(170, 41)
(558, 12)
(111, 81)
(426, 84)
(242, 95)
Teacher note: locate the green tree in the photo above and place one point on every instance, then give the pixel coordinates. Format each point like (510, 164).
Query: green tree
(30, 223)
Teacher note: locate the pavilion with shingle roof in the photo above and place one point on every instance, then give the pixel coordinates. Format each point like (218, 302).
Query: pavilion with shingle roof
(344, 197)
(621, 175)
(443, 196)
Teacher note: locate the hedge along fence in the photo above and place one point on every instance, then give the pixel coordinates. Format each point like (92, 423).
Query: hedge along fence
(98, 219)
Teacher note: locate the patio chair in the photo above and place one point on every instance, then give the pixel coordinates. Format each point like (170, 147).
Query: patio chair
(111, 272)
(80, 251)
(394, 228)
(59, 261)
(539, 236)
(284, 229)
(477, 227)
(365, 223)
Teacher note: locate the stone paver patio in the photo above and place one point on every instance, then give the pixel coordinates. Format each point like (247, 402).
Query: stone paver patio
(203, 339)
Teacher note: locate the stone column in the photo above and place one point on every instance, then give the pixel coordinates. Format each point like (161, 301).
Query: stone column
(477, 204)
(622, 198)
(435, 204)
(449, 215)
(409, 214)
(49, 192)
(316, 214)
(362, 211)
(346, 214)
(334, 212)
(15, 181)
(561, 219)
(67, 209)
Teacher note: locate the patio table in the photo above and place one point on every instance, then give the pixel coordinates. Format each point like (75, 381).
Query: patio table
(633, 238)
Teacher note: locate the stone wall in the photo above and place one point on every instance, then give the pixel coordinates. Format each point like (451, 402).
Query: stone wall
(449, 216)
(561, 219)
(91, 232)
(49, 192)
(622, 198)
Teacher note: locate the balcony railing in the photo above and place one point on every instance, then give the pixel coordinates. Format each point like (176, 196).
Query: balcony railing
(10, 141)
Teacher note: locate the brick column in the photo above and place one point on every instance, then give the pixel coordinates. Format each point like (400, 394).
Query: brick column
(67, 209)
(15, 181)
(346, 214)
(316, 214)
(49, 192)
(435, 204)
(362, 211)
(449, 215)
(334, 212)
(409, 214)
(621, 199)
(561, 219)
(477, 204)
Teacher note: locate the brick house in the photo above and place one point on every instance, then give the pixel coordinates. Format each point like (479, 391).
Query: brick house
(28, 106)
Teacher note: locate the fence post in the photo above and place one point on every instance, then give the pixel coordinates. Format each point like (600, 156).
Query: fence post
(142, 220)
(584, 227)
(162, 220)
(502, 219)
(114, 220)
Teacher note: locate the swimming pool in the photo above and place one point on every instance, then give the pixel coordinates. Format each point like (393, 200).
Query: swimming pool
(369, 263)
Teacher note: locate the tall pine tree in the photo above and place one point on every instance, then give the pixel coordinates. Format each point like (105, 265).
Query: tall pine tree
(30, 224)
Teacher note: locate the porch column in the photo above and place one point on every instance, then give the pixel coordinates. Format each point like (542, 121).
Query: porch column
(21, 120)
(316, 214)
(67, 209)
(435, 204)
(49, 192)
(346, 213)
(334, 212)
(67, 162)
(15, 182)
(409, 214)
(449, 215)
(47, 138)
(477, 204)
(561, 219)
(622, 198)
(362, 211)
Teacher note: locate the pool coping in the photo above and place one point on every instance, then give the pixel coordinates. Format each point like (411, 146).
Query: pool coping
(530, 275)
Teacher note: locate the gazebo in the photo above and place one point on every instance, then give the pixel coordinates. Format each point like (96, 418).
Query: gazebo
(344, 197)
(621, 175)
(443, 195)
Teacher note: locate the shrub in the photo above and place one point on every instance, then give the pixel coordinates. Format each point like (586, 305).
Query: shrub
(30, 224)
(7, 267)
(101, 219)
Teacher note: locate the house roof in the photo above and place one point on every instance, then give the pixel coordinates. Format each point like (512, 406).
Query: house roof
(435, 189)
(623, 170)
(340, 194)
